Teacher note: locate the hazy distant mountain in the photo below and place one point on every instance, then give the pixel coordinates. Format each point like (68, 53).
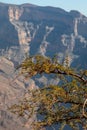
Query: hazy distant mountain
(44, 30)
(33, 29)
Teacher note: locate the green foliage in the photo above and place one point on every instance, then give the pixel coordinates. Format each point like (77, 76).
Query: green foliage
(65, 103)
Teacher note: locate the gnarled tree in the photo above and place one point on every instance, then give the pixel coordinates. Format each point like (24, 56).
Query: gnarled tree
(62, 104)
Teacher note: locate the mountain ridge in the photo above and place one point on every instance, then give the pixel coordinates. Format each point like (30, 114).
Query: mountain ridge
(35, 5)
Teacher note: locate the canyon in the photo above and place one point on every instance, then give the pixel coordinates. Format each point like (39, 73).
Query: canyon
(28, 30)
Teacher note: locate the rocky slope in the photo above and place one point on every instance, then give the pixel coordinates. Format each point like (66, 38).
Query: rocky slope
(30, 29)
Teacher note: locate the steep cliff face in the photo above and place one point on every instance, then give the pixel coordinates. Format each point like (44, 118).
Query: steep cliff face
(21, 27)
(71, 40)
(44, 30)
(12, 89)
(30, 29)
(14, 13)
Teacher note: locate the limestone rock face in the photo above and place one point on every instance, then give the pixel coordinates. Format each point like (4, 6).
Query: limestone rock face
(12, 90)
(14, 13)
